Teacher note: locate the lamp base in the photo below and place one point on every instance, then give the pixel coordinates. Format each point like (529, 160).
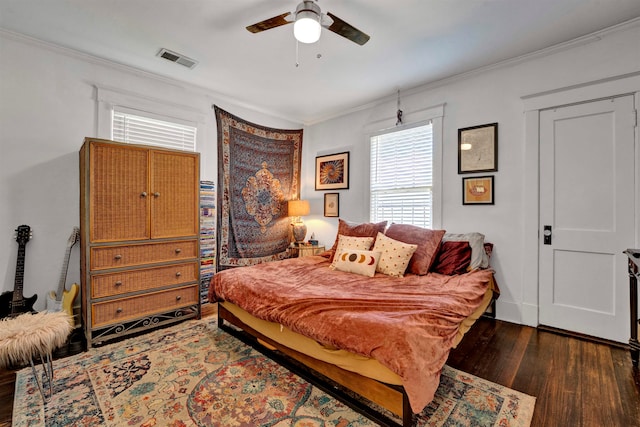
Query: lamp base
(299, 232)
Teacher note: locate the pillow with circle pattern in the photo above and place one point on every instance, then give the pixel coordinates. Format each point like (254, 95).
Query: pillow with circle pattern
(395, 255)
(351, 242)
(356, 261)
(428, 242)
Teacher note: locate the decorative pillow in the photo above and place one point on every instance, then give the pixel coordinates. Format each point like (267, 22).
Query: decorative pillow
(428, 242)
(479, 258)
(367, 229)
(358, 262)
(453, 258)
(394, 257)
(346, 243)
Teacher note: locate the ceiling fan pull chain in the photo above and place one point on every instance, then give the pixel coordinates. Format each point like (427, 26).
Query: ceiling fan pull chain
(297, 63)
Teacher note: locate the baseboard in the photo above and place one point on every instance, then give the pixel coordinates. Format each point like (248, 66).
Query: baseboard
(529, 314)
(508, 311)
(584, 337)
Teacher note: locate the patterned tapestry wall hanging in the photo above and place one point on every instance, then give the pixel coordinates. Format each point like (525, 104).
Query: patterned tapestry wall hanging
(258, 172)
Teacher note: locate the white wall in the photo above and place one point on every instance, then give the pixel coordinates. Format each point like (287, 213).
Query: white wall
(493, 95)
(47, 107)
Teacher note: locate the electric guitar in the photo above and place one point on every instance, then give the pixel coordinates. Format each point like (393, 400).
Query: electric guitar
(14, 303)
(62, 300)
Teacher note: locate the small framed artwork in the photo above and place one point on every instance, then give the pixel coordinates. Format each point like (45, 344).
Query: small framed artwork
(478, 149)
(477, 190)
(332, 171)
(331, 204)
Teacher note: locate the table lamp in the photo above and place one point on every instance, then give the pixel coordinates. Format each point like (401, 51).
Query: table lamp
(298, 209)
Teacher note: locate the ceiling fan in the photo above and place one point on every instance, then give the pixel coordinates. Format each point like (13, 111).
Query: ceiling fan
(308, 21)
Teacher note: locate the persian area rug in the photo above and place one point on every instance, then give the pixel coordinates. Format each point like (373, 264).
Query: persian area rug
(194, 374)
(258, 172)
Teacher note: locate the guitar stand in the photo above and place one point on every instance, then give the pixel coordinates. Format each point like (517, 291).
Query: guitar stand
(634, 274)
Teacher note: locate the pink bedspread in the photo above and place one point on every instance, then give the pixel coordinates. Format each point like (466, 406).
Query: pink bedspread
(408, 324)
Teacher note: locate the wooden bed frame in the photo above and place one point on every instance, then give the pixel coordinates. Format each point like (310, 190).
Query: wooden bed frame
(324, 375)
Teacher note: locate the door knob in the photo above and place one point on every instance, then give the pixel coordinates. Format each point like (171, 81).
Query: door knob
(546, 234)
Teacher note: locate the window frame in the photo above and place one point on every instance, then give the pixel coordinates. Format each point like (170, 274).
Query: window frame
(156, 117)
(109, 98)
(433, 114)
(398, 191)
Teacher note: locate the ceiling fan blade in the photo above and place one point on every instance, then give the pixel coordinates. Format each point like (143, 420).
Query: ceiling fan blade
(346, 30)
(270, 23)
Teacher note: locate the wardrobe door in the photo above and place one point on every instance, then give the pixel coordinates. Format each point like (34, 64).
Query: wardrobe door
(174, 194)
(118, 193)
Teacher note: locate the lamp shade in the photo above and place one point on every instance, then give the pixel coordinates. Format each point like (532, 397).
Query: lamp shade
(298, 207)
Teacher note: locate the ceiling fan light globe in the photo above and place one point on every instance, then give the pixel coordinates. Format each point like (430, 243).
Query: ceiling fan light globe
(307, 27)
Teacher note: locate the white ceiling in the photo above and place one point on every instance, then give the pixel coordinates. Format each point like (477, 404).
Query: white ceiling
(413, 42)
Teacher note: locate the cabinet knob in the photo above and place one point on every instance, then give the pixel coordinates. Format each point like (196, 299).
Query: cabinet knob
(118, 256)
(156, 194)
(119, 310)
(178, 298)
(143, 194)
(118, 283)
(178, 274)
(178, 250)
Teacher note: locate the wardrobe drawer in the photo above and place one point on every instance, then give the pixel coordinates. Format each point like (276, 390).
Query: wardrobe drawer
(105, 285)
(104, 257)
(124, 309)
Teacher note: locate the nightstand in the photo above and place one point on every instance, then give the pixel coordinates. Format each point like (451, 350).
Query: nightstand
(305, 250)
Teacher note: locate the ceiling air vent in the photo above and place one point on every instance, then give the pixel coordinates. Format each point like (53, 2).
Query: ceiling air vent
(177, 58)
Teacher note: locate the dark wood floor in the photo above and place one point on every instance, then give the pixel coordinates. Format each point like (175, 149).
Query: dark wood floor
(576, 382)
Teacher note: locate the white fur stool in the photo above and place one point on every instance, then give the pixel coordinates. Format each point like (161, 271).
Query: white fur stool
(27, 336)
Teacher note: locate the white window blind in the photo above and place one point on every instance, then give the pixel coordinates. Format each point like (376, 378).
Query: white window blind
(402, 176)
(149, 130)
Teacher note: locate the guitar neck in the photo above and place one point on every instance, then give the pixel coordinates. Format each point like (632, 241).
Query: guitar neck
(73, 238)
(19, 283)
(63, 274)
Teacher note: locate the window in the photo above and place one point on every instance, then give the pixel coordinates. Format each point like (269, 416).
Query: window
(136, 127)
(401, 186)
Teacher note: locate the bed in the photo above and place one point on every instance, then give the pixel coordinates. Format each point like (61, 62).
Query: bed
(385, 337)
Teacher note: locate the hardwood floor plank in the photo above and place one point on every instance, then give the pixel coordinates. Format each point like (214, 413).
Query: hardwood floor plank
(7, 385)
(537, 376)
(628, 383)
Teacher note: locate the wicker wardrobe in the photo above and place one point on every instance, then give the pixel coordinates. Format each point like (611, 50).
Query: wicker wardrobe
(139, 223)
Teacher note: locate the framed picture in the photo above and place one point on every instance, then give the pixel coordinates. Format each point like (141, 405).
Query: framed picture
(332, 204)
(332, 171)
(477, 190)
(478, 149)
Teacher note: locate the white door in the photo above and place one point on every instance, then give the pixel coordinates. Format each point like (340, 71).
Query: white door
(587, 199)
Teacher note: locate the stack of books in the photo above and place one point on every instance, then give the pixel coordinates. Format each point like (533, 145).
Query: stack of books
(207, 237)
